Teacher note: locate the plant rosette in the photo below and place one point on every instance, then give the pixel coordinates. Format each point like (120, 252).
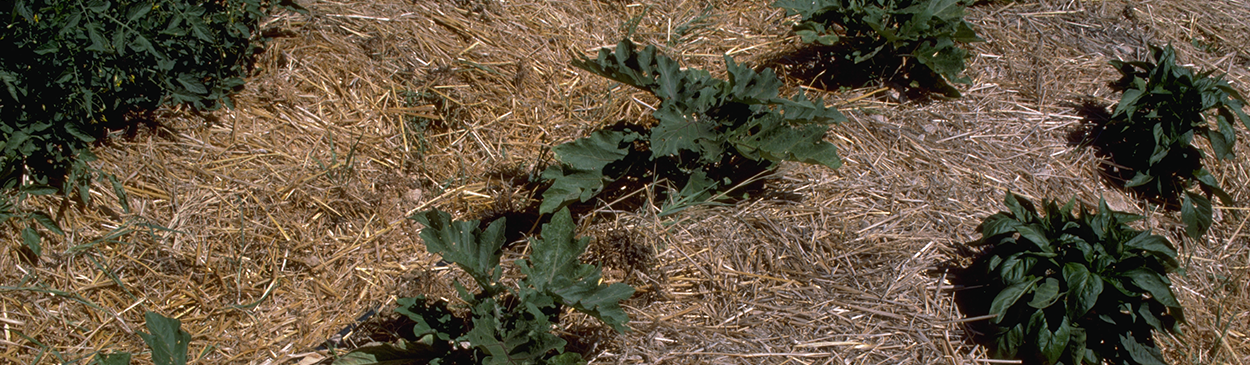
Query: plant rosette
(1150, 133)
(1070, 288)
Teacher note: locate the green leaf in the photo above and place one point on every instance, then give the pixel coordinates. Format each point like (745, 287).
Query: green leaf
(554, 269)
(116, 358)
(1008, 297)
(1084, 288)
(601, 148)
(192, 84)
(569, 185)
(1017, 268)
(463, 243)
(167, 339)
(47, 222)
(1196, 213)
(998, 224)
(521, 336)
(567, 358)
(1076, 346)
(400, 353)
(1143, 354)
(1020, 208)
(1045, 294)
(1157, 285)
(1154, 244)
(32, 240)
(1052, 344)
(1033, 233)
(1008, 343)
(677, 132)
(435, 320)
(777, 142)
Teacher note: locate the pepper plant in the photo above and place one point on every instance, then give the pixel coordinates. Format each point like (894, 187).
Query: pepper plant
(1071, 288)
(1150, 133)
(919, 36)
(71, 70)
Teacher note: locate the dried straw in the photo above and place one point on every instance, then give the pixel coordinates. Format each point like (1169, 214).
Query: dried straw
(282, 221)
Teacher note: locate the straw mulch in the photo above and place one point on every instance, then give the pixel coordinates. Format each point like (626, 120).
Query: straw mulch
(269, 228)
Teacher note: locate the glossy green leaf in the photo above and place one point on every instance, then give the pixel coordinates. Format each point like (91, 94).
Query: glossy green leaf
(1034, 234)
(1084, 288)
(1091, 250)
(1045, 293)
(1152, 243)
(1008, 297)
(1052, 344)
(1141, 353)
(1157, 285)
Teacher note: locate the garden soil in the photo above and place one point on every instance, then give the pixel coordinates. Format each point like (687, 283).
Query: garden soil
(279, 227)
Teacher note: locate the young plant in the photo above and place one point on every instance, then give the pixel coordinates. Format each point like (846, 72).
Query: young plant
(1070, 288)
(506, 325)
(918, 36)
(705, 127)
(1149, 134)
(167, 340)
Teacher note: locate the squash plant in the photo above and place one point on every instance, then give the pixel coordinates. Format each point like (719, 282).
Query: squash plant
(1150, 133)
(918, 35)
(1071, 288)
(705, 126)
(505, 324)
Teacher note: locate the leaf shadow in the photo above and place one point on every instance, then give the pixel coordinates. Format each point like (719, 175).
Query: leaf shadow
(833, 68)
(972, 293)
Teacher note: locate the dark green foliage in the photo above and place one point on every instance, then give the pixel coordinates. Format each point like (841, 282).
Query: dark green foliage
(1068, 288)
(1150, 133)
(917, 35)
(73, 69)
(704, 124)
(506, 325)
